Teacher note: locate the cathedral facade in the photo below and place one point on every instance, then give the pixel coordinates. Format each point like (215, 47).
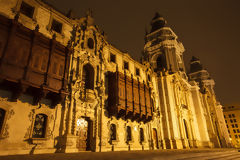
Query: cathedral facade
(65, 88)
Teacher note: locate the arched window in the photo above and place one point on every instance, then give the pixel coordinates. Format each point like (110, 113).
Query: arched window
(88, 76)
(129, 133)
(2, 117)
(90, 43)
(160, 62)
(113, 135)
(39, 129)
(141, 135)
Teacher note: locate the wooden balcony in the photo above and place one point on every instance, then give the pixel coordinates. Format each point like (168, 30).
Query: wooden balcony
(127, 98)
(32, 63)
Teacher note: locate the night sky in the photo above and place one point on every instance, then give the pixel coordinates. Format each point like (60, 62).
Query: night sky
(208, 29)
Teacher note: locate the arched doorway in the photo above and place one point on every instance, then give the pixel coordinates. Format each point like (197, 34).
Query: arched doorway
(88, 76)
(155, 138)
(83, 133)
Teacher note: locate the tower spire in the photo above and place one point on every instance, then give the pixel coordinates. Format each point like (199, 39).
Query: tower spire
(158, 22)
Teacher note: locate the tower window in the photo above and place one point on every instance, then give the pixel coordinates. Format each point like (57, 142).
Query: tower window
(233, 115)
(126, 65)
(2, 117)
(160, 62)
(137, 72)
(113, 58)
(56, 26)
(230, 116)
(39, 129)
(27, 10)
(234, 120)
(129, 133)
(113, 135)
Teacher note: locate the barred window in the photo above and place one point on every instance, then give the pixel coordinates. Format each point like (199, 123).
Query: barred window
(40, 123)
(113, 135)
(129, 133)
(2, 116)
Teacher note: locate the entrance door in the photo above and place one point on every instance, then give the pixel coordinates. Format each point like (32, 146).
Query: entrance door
(83, 134)
(155, 138)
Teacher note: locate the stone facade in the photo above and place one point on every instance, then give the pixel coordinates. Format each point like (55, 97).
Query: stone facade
(177, 110)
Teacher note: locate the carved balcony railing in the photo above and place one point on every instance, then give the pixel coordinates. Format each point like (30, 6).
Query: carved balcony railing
(128, 98)
(32, 63)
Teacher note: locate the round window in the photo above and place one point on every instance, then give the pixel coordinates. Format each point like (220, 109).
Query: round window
(90, 43)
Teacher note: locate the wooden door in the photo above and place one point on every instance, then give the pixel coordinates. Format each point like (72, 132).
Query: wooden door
(82, 143)
(155, 138)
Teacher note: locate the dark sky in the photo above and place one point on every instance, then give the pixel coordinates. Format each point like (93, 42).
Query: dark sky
(208, 29)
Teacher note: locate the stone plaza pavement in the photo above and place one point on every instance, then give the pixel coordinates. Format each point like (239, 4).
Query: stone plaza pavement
(193, 154)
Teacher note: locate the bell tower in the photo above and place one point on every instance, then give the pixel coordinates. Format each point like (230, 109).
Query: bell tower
(162, 49)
